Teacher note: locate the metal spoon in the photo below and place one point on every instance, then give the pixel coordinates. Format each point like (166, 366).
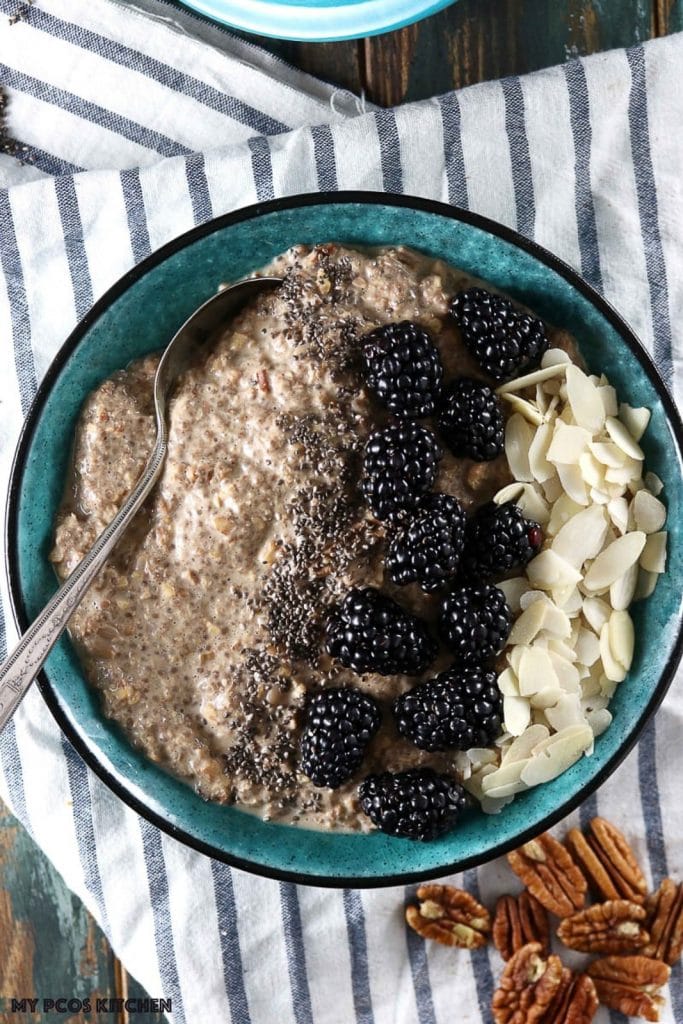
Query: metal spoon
(26, 660)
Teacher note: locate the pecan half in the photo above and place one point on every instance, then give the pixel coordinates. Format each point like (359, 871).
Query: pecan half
(665, 907)
(519, 920)
(548, 871)
(610, 927)
(575, 1002)
(609, 861)
(450, 916)
(527, 987)
(630, 984)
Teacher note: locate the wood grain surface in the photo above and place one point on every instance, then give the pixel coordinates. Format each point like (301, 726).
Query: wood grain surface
(49, 945)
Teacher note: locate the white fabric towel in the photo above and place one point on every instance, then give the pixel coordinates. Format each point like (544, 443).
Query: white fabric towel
(138, 128)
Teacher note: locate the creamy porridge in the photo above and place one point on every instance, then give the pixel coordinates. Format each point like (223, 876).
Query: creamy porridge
(204, 633)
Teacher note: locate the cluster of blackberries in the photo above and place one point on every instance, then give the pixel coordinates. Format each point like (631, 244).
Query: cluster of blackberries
(432, 545)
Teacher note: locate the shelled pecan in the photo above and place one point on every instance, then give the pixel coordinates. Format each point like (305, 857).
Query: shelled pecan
(575, 1001)
(608, 861)
(665, 922)
(517, 921)
(548, 871)
(611, 927)
(528, 986)
(630, 984)
(450, 916)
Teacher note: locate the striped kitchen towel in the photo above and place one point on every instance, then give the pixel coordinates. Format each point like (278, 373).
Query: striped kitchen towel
(137, 127)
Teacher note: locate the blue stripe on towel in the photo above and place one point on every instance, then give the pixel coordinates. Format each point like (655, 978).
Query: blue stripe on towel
(262, 168)
(233, 968)
(481, 962)
(72, 229)
(87, 111)
(134, 200)
(323, 146)
(198, 188)
(582, 134)
(157, 880)
(454, 157)
(419, 968)
(154, 69)
(296, 953)
(358, 950)
(390, 151)
(649, 213)
(522, 180)
(10, 263)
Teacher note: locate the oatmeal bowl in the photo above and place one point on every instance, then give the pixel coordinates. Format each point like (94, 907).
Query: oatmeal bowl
(389, 611)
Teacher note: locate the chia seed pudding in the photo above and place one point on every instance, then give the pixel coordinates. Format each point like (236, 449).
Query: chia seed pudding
(205, 631)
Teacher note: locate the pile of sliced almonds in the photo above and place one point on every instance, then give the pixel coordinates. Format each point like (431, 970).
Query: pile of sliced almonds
(573, 451)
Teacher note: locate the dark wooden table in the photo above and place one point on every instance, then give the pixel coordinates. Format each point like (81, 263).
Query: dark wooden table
(49, 944)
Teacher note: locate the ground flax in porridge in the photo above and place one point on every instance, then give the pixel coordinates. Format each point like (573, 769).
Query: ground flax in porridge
(204, 632)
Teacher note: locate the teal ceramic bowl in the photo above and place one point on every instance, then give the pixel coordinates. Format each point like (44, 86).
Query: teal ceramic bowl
(140, 314)
(317, 20)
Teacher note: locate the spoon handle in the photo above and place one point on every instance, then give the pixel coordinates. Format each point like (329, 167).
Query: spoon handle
(28, 657)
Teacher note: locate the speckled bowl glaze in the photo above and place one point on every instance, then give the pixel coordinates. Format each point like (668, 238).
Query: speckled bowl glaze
(139, 314)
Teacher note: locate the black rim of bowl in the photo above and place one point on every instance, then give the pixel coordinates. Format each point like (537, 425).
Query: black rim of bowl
(26, 436)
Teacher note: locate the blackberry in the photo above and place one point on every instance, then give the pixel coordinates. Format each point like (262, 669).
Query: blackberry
(399, 466)
(416, 804)
(475, 622)
(461, 708)
(498, 538)
(339, 725)
(403, 368)
(368, 632)
(428, 549)
(502, 340)
(471, 420)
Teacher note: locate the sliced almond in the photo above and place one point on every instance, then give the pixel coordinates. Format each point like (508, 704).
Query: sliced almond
(623, 438)
(522, 746)
(520, 383)
(591, 470)
(525, 408)
(555, 357)
(653, 557)
(617, 510)
(536, 672)
(528, 625)
(566, 672)
(622, 591)
(513, 590)
(533, 505)
(609, 399)
(504, 782)
(545, 698)
(541, 469)
(556, 622)
(511, 492)
(565, 713)
(584, 399)
(653, 483)
(648, 512)
(562, 648)
(582, 537)
(548, 570)
(647, 581)
(573, 483)
(625, 475)
(508, 683)
(567, 599)
(635, 420)
(596, 612)
(562, 510)
(516, 714)
(608, 453)
(552, 489)
(621, 638)
(560, 752)
(599, 719)
(611, 667)
(616, 558)
(587, 647)
(518, 438)
(568, 444)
